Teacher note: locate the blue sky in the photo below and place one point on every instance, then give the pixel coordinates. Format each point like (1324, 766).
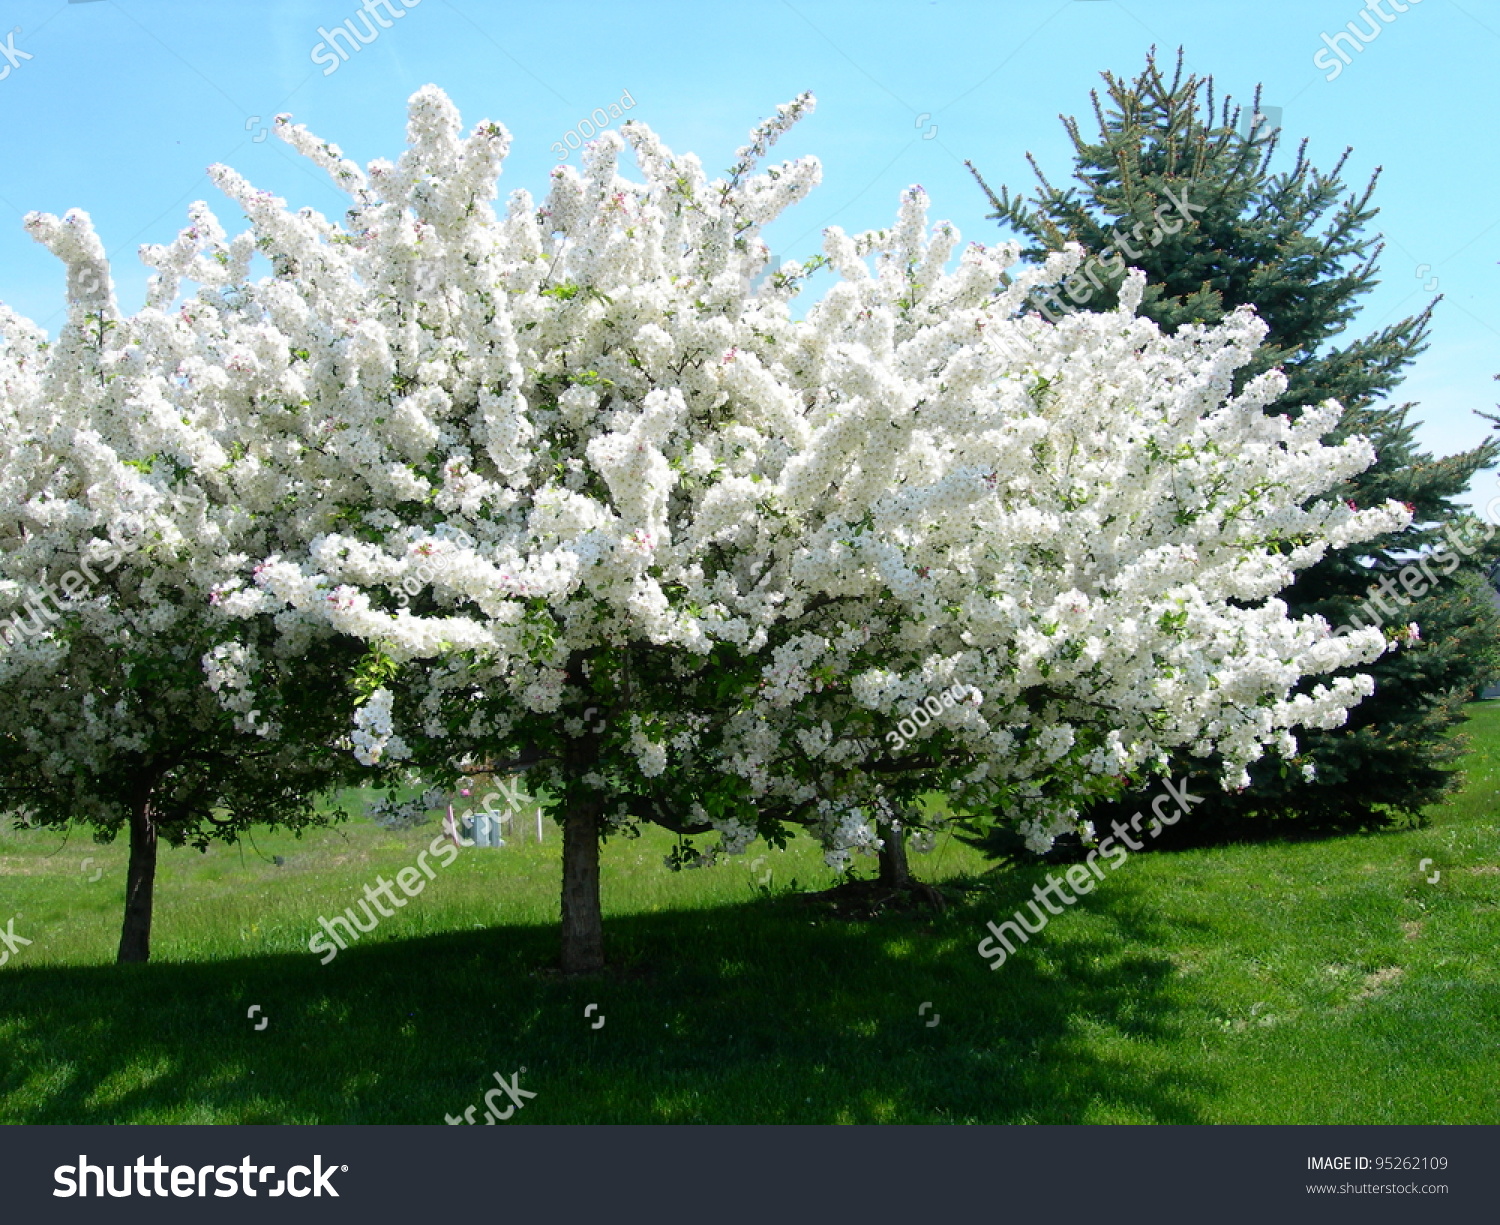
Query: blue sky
(123, 103)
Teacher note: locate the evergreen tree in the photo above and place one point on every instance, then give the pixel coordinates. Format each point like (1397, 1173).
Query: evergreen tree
(1176, 186)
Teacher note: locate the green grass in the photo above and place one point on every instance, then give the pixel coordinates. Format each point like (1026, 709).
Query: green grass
(1298, 982)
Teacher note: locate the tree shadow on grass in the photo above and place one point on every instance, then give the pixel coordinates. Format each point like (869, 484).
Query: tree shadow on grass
(760, 1012)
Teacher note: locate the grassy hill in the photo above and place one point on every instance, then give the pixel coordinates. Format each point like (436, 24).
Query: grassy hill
(1297, 982)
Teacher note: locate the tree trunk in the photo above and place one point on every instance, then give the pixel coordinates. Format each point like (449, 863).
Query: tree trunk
(583, 807)
(140, 884)
(894, 872)
(582, 919)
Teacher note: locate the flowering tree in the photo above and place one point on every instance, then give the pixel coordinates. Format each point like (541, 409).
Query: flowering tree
(597, 508)
(125, 701)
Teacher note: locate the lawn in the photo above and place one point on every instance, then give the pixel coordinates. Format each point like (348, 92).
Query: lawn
(1296, 982)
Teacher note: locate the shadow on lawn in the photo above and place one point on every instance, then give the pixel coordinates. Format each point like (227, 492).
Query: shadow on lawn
(762, 1012)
